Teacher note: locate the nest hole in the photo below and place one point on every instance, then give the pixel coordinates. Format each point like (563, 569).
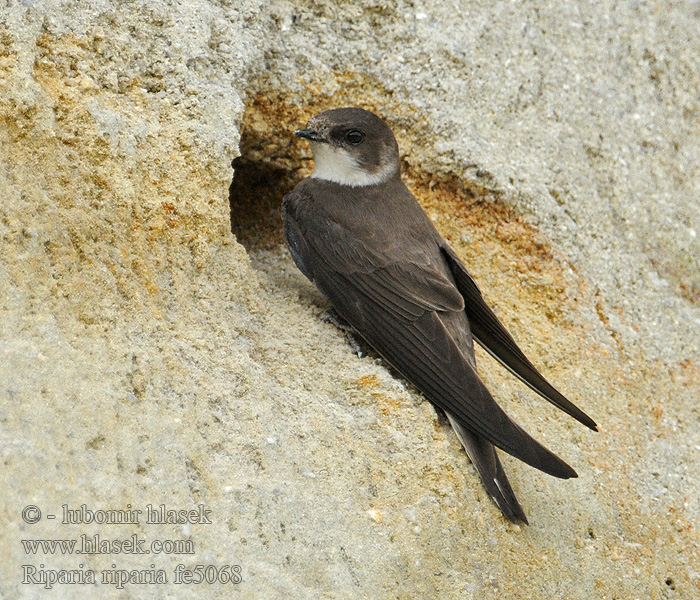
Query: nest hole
(271, 163)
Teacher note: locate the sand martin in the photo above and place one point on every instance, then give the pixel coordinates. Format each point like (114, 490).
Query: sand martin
(356, 231)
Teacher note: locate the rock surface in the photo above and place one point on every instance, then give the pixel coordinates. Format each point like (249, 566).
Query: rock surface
(147, 357)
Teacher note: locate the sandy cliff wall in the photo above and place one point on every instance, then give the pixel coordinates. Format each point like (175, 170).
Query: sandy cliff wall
(150, 356)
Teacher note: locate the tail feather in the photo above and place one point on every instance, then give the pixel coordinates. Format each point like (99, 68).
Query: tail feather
(483, 455)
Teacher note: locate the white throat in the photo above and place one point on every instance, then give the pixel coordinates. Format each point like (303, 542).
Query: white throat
(338, 165)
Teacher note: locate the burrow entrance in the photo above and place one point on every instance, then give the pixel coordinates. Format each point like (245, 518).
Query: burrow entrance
(488, 235)
(271, 163)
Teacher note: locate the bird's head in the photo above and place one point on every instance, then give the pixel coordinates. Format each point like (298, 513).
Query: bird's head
(352, 146)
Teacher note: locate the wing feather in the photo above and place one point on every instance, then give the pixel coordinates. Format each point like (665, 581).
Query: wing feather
(493, 336)
(394, 296)
(422, 350)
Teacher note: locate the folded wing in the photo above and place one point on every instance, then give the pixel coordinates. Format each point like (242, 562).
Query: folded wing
(494, 337)
(395, 304)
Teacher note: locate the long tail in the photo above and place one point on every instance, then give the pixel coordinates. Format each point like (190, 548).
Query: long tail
(483, 455)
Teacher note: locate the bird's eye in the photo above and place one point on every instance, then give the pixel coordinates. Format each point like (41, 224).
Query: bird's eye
(354, 137)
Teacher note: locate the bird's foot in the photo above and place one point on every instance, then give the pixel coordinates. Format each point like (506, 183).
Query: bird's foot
(350, 334)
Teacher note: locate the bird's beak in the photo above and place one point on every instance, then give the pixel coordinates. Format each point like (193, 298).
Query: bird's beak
(309, 134)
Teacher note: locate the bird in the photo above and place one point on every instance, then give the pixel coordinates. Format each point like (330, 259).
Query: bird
(356, 231)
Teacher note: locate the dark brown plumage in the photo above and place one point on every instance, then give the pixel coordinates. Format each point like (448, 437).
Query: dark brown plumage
(357, 232)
